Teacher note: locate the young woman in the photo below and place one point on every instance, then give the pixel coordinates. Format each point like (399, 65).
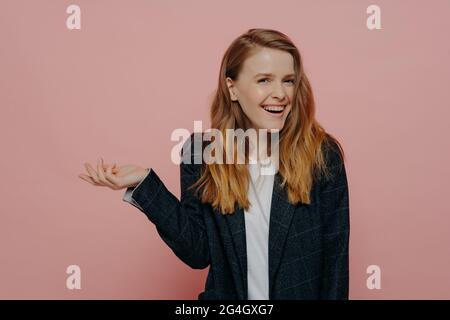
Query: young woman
(279, 236)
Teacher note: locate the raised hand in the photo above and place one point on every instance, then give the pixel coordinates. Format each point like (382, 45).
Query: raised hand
(113, 176)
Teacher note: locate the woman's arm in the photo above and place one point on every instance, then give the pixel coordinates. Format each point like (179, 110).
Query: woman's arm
(128, 196)
(180, 223)
(334, 210)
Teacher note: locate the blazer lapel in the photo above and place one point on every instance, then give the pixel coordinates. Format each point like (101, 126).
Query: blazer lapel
(281, 213)
(236, 227)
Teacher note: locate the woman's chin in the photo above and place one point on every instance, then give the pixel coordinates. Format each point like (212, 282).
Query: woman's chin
(272, 127)
(276, 128)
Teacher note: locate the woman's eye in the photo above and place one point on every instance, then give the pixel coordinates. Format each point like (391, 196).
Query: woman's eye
(261, 80)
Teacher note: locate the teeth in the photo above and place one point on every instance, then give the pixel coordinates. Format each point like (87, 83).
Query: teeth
(274, 108)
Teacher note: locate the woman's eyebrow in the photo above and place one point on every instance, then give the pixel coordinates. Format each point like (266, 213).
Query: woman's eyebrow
(271, 75)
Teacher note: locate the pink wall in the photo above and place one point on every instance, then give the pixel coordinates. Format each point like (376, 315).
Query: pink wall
(137, 70)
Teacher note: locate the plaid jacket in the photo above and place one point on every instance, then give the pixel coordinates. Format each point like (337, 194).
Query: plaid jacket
(308, 243)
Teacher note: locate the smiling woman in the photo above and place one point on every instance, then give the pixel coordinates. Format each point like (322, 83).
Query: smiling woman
(283, 235)
(270, 91)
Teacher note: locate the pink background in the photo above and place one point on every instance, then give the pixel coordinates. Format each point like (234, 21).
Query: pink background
(137, 70)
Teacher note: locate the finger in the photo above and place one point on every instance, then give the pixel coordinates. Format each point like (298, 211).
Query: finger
(101, 174)
(88, 179)
(110, 176)
(114, 167)
(106, 165)
(100, 169)
(92, 173)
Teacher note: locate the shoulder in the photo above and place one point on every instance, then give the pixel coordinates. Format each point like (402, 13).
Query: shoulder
(191, 153)
(333, 152)
(334, 157)
(194, 144)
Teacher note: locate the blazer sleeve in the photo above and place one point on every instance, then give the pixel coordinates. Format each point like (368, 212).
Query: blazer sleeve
(128, 196)
(334, 209)
(180, 223)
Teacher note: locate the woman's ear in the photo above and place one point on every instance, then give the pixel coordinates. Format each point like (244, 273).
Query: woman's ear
(230, 86)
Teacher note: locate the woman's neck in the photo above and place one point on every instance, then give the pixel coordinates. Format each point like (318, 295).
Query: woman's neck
(261, 148)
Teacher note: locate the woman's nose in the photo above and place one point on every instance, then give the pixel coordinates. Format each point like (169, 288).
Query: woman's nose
(278, 92)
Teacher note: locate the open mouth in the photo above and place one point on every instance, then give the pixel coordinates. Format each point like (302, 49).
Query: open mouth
(274, 109)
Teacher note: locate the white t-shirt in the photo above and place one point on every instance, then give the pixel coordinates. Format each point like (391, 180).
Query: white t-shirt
(257, 221)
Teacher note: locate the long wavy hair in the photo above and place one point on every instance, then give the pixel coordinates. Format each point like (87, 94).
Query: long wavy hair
(301, 156)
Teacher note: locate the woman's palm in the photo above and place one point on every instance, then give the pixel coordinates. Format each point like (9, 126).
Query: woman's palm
(112, 176)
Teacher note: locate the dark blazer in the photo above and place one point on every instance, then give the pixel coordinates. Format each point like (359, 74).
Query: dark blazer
(308, 244)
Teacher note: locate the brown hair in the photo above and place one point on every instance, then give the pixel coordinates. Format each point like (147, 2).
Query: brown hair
(300, 140)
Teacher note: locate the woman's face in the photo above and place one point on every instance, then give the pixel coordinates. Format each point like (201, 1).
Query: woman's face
(265, 82)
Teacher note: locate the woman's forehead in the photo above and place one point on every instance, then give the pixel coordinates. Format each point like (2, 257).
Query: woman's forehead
(269, 62)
